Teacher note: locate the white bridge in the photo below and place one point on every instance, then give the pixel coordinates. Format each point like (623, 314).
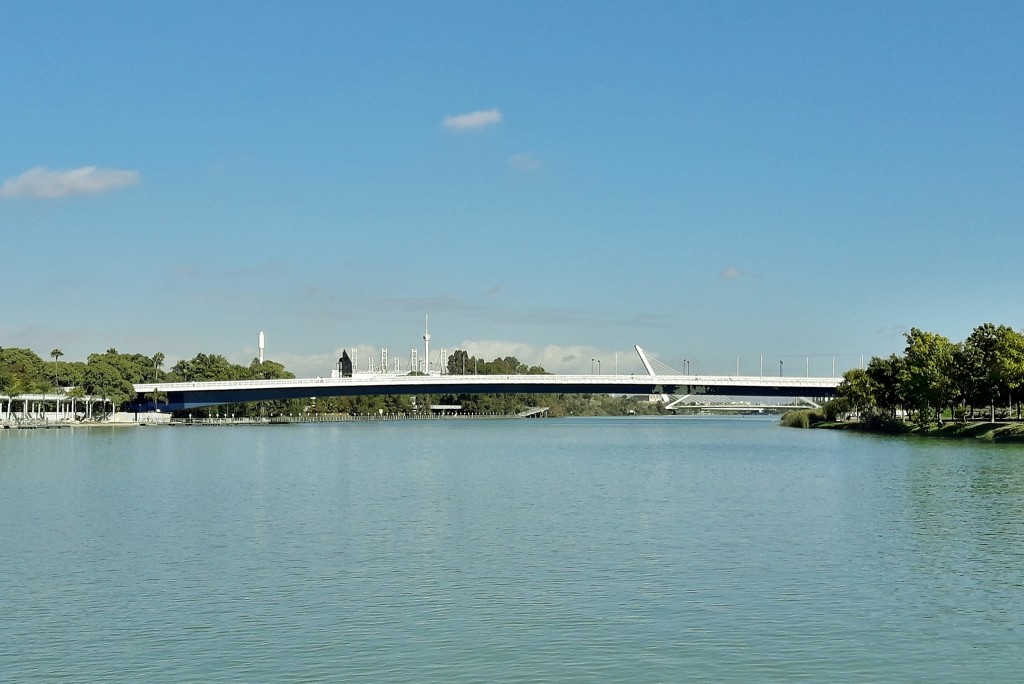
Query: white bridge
(186, 395)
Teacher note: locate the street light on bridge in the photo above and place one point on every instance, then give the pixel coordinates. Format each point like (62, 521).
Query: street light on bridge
(780, 368)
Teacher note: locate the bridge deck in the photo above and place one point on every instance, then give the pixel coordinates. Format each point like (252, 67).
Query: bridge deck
(184, 395)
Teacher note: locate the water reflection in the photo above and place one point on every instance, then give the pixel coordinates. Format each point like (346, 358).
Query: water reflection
(582, 550)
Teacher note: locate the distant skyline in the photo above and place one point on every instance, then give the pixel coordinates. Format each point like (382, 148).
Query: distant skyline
(553, 181)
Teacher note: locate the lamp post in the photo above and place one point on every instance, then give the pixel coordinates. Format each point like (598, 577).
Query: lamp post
(780, 368)
(592, 366)
(599, 366)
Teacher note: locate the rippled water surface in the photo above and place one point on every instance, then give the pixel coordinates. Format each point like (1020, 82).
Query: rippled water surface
(522, 550)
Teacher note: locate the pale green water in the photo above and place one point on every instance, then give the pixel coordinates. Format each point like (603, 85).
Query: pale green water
(534, 550)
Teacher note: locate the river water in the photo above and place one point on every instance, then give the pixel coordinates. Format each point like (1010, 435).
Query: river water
(600, 550)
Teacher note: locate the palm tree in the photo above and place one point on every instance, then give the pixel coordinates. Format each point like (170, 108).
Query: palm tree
(157, 396)
(56, 354)
(5, 390)
(158, 361)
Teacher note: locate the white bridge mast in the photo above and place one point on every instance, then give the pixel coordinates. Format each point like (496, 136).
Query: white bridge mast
(650, 370)
(643, 360)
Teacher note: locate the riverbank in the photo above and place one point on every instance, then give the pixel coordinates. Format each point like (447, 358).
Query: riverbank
(64, 425)
(1001, 432)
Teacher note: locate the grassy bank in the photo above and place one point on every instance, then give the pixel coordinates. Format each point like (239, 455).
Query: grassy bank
(987, 432)
(984, 431)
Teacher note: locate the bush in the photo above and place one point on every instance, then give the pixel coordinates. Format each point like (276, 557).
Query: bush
(796, 419)
(881, 422)
(837, 409)
(803, 419)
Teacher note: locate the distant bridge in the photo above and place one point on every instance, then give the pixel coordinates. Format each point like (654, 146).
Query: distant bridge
(187, 395)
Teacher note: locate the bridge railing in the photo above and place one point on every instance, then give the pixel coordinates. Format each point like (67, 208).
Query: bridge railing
(412, 381)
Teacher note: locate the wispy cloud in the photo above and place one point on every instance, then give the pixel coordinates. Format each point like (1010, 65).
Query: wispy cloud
(262, 271)
(733, 273)
(471, 120)
(526, 161)
(186, 271)
(893, 331)
(87, 180)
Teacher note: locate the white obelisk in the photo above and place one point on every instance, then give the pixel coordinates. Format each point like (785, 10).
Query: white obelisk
(426, 343)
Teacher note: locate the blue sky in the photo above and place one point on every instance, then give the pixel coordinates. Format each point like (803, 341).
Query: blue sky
(552, 180)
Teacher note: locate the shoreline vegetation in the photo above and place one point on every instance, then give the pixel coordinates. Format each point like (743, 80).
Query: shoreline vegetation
(936, 388)
(984, 431)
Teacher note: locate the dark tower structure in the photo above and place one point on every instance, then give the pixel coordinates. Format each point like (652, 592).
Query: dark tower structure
(345, 365)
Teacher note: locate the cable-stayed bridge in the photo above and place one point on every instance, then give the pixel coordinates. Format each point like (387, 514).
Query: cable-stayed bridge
(177, 396)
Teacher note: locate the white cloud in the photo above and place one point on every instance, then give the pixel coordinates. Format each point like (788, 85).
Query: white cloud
(304, 365)
(470, 120)
(87, 180)
(526, 161)
(557, 358)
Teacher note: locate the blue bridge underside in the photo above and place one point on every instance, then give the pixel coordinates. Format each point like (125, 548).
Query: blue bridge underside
(191, 399)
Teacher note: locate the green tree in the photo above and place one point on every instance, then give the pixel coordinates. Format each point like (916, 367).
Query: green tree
(859, 390)
(989, 366)
(133, 368)
(209, 367)
(26, 366)
(886, 376)
(268, 370)
(459, 363)
(1010, 364)
(927, 382)
(103, 378)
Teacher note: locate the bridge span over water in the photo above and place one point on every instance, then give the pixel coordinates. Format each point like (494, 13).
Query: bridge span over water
(187, 395)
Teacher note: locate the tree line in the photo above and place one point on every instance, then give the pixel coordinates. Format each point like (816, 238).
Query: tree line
(111, 376)
(935, 377)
